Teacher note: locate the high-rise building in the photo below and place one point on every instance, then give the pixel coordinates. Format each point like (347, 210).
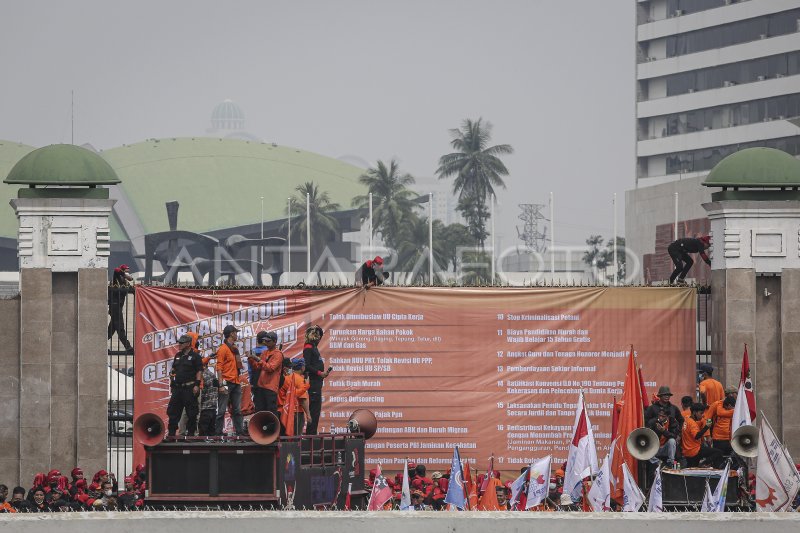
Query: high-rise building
(712, 77)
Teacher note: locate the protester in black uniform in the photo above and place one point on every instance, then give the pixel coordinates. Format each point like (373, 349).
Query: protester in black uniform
(371, 272)
(116, 305)
(18, 500)
(187, 369)
(315, 369)
(664, 395)
(679, 252)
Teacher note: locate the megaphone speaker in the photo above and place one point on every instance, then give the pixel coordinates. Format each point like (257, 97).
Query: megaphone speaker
(643, 444)
(148, 429)
(363, 421)
(264, 427)
(745, 441)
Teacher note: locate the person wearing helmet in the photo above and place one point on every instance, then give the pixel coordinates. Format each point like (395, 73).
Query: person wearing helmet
(116, 305)
(679, 253)
(371, 272)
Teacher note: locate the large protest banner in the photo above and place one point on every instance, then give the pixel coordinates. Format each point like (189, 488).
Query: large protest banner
(489, 370)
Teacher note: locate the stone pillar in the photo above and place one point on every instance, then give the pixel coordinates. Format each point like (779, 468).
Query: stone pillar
(790, 346)
(733, 321)
(9, 391)
(63, 351)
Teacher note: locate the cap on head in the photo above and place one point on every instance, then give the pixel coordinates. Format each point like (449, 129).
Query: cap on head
(706, 239)
(264, 335)
(184, 339)
(230, 328)
(706, 369)
(663, 390)
(378, 260)
(124, 267)
(731, 390)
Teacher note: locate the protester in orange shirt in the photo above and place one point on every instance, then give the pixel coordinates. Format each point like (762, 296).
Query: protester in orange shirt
(268, 368)
(710, 389)
(229, 364)
(494, 497)
(686, 406)
(5, 507)
(722, 415)
(296, 387)
(692, 439)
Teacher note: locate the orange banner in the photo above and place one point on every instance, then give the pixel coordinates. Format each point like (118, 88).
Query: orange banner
(487, 370)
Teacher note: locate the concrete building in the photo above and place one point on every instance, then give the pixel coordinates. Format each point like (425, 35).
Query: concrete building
(712, 77)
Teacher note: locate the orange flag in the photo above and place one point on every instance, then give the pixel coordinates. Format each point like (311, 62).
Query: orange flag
(469, 486)
(631, 417)
(289, 406)
(489, 501)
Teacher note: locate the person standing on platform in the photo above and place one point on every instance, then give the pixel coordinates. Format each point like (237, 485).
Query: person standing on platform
(721, 412)
(268, 367)
(679, 253)
(315, 369)
(187, 370)
(117, 292)
(710, 389)
(230, 388)
(208, 399)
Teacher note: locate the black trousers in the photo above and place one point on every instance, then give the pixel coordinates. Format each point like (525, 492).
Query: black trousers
(117, 325)
(713, 455)
(266, 400)
(683, 262)
(182, 398)
(314, 407)
(206, 426)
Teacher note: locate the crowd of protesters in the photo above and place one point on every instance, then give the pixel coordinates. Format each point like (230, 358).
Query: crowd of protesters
(57, 493)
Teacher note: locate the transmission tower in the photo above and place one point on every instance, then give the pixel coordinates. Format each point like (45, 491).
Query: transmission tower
(530, 234)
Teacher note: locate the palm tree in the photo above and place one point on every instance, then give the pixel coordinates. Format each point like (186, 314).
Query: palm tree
(412, 249)
(392, 202)
(477, 169)
(323, 225)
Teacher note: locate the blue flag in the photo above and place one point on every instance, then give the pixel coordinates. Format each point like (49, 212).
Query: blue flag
(455, 488)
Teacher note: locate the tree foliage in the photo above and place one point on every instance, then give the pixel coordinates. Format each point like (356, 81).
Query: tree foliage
(324, 226)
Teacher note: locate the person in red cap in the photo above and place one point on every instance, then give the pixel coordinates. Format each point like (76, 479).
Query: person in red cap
(372, 272)
(679, 252)
(116, 305)
(130, 499)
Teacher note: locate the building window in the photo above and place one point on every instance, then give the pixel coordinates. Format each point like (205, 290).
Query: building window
(701, 160)
(734, 74)
(739, 32)
(676, 8)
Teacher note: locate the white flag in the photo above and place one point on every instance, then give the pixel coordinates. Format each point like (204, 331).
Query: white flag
(776, 476)
(633, 499)
(741, 411)
(582, 458)
(655, 503)
(718, 499)
(600, 493)
(708, 500)
(539, 484)
(405, 493)
(516, 489)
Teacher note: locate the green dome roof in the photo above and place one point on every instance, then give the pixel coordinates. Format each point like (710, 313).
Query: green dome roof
(62, 164)
(756, 167)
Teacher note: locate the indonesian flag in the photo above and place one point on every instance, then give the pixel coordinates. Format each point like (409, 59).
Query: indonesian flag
(539, 482)
(289, 406)
(777, 479)
(748, 385)
(381, 493)
(741, 411)
(631, 417)
(405, 492)
(347, 498)
(489, 475)
(582, 458)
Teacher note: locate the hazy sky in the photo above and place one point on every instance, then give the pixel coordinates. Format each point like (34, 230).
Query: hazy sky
(372, 78)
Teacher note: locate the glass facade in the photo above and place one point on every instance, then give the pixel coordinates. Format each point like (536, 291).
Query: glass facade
(742, 31)
(701, 160)
(726, 116)
(734, 73)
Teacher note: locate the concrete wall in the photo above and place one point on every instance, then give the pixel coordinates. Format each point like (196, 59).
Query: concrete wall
(9, 391)
(402, 522)
(790, 346)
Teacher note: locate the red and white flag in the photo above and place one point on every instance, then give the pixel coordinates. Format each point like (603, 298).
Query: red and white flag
(347, 498)
(748, 385)
(381, 492)
(539, 484)
(777, 479)
(582, 458)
